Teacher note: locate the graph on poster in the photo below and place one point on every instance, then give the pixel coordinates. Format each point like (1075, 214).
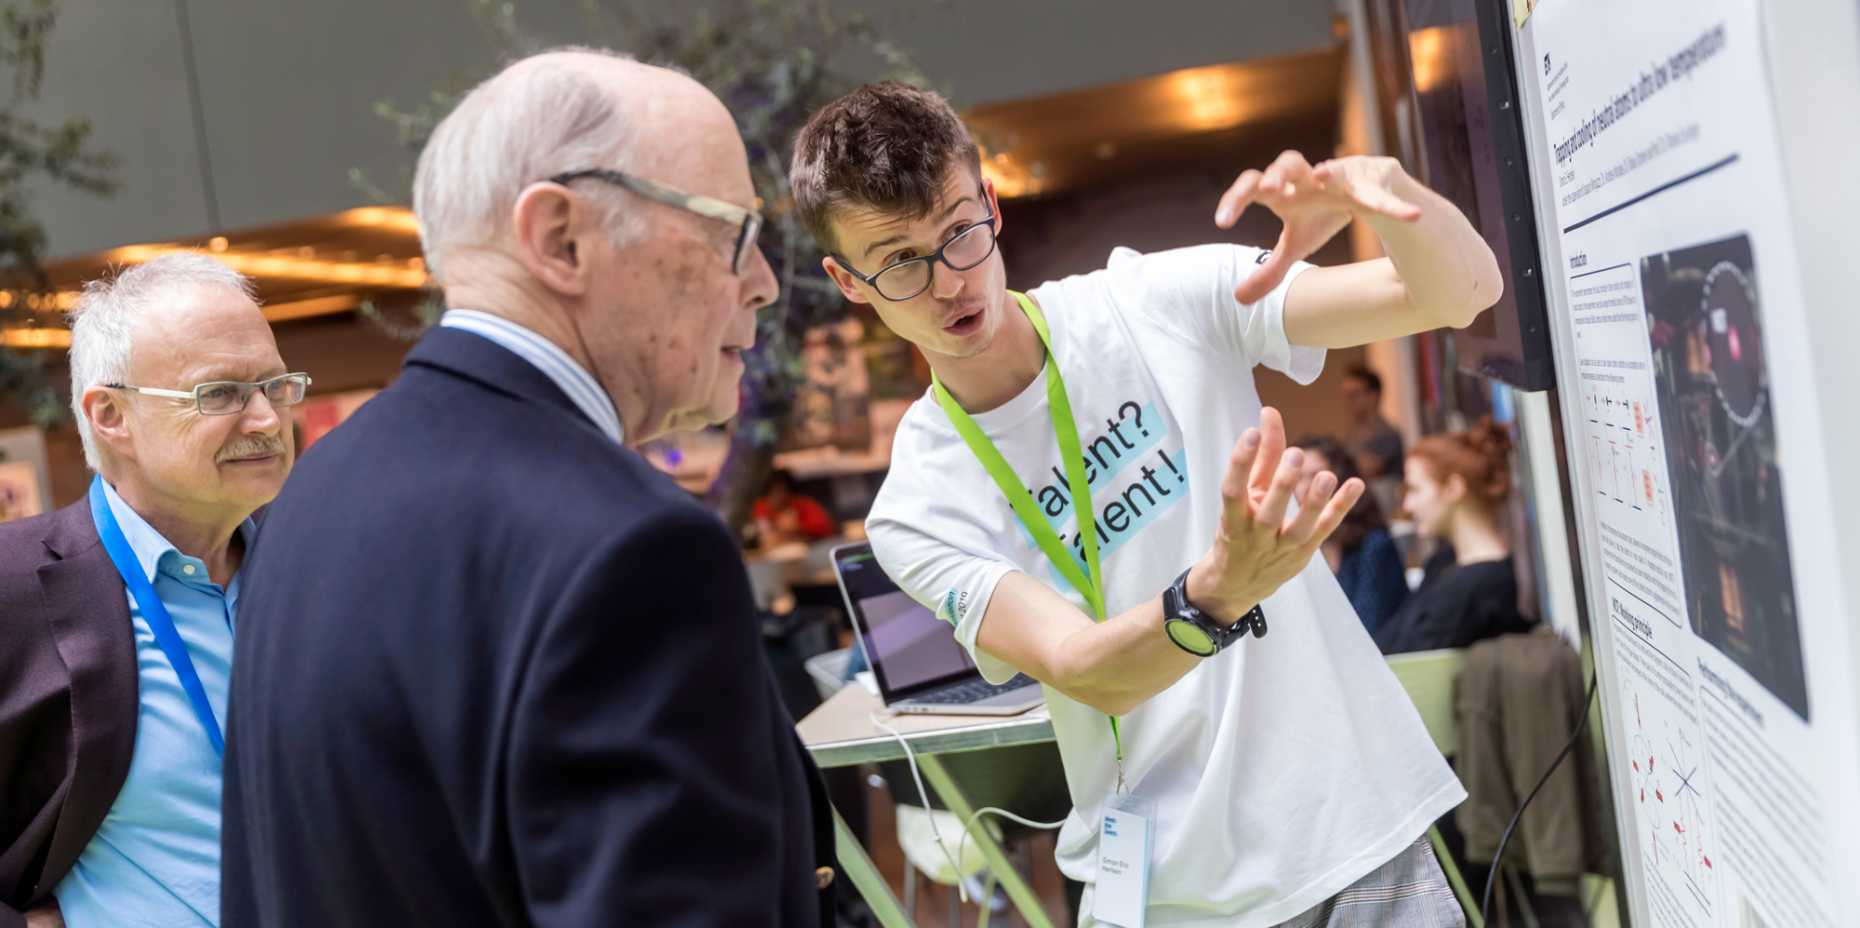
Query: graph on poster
(1623, 454)
(1669, 777)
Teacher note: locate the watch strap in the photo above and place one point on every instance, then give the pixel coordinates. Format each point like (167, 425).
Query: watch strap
(1176, 607)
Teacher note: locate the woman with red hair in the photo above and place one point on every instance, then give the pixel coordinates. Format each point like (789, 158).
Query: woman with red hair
(1455, 487)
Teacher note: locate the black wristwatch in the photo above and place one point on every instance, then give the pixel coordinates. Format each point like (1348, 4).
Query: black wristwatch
(1193, 631)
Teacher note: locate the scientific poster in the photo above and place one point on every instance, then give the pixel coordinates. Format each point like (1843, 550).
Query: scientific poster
(1656, 164)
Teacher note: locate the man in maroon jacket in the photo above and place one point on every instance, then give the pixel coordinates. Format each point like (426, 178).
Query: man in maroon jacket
(117, 612)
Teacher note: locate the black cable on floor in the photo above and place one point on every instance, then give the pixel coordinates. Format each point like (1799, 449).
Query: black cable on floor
(1485, 898)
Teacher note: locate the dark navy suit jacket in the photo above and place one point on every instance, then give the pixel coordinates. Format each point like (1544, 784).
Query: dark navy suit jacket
(494, 669)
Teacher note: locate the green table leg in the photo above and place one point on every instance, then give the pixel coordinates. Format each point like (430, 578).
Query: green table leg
(1011, 880)
(857, 867)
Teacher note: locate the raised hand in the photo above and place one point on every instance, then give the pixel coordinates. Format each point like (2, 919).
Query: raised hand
(1260, 545)
(1314, 203)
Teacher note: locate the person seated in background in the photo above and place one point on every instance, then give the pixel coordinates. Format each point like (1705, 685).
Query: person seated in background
(783, 515)
(1361, 553)
(1455, 487)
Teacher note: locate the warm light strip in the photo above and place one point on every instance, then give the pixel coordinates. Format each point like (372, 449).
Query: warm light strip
(59, 302)
(28, 338)
(35, 338)
(276, 312)
(315, 306)
(1010, 177)
(1431, 52)
(354, 273)
(393, 218)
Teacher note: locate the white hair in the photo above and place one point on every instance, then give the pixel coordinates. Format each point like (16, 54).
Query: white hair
(103, 321)
(542, 116)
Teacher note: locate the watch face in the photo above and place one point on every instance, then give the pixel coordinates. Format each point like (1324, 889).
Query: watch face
(1190, 637)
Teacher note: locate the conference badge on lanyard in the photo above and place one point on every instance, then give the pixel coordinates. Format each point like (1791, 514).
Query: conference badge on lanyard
(1126, 836)
(1089, 581)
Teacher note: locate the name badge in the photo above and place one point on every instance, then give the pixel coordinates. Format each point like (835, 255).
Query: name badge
(1125, 839)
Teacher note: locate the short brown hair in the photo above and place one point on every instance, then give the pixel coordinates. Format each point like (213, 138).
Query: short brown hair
(885, 146)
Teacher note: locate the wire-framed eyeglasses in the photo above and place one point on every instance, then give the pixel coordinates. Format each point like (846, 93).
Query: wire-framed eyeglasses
(902, 280)
(747, 221)
(227, 397)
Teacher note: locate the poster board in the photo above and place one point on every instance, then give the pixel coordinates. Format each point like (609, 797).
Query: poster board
(1710, 527)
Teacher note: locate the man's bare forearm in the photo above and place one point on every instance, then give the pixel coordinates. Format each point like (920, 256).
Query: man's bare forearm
(1450, 272)
(1116, 665)
(1112, 666)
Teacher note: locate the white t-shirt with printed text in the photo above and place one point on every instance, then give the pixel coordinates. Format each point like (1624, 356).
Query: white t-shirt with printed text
(1282, 769)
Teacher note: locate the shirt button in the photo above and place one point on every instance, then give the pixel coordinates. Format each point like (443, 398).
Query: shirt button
(187, 569)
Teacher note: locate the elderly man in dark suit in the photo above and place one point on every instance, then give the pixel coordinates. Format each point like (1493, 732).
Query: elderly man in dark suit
(495, 668)
(117, 612)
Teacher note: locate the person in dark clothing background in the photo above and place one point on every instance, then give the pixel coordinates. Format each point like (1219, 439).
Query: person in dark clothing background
(1455, 487)
(1375, 445)
(1361, 552)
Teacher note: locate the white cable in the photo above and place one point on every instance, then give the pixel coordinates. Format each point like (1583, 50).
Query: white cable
(955, 868)
(962, 846)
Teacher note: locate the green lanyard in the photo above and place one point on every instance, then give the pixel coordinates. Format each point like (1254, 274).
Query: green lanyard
(1089, 582)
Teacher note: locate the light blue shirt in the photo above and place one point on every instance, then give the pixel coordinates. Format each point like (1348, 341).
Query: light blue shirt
(571, 378)
(156, 860)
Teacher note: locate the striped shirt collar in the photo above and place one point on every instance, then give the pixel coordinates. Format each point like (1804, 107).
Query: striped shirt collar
(572, 379)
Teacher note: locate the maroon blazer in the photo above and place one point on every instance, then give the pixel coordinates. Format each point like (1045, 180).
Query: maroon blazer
(68, 692)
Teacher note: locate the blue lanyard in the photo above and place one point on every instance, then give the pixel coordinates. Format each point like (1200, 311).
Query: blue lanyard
(153, 612)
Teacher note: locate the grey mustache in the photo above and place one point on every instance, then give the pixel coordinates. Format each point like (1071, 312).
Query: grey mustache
(253, 447)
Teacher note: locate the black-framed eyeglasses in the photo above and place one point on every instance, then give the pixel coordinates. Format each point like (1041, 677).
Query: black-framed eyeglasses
(226, 397)
(747, 221)
(902, 280)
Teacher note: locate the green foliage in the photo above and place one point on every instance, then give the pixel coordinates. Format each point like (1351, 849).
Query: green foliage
(32, 153)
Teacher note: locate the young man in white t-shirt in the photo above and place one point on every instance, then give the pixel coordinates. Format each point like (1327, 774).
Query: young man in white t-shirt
(1284, 779)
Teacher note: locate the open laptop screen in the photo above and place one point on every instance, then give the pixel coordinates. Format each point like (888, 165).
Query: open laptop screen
(909, 647)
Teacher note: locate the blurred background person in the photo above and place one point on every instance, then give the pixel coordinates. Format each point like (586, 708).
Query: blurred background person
(784, 515)
(1376, 445)
(1361, 552)
(1456, 485)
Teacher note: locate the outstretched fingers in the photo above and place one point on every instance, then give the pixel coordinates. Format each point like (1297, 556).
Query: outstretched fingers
(1237, 198)
(1335, 510)
(1279, 496)
(1236, 510)
(1312, 495)
(1271, 447)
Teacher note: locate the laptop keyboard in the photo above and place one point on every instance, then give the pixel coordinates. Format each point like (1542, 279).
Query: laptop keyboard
(971, 691)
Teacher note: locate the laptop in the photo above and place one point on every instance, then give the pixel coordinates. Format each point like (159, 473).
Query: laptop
(919, 666)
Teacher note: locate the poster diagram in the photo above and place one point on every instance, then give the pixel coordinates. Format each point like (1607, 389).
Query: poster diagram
(1709, 371)
(1669, 801)
(1624, 451)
